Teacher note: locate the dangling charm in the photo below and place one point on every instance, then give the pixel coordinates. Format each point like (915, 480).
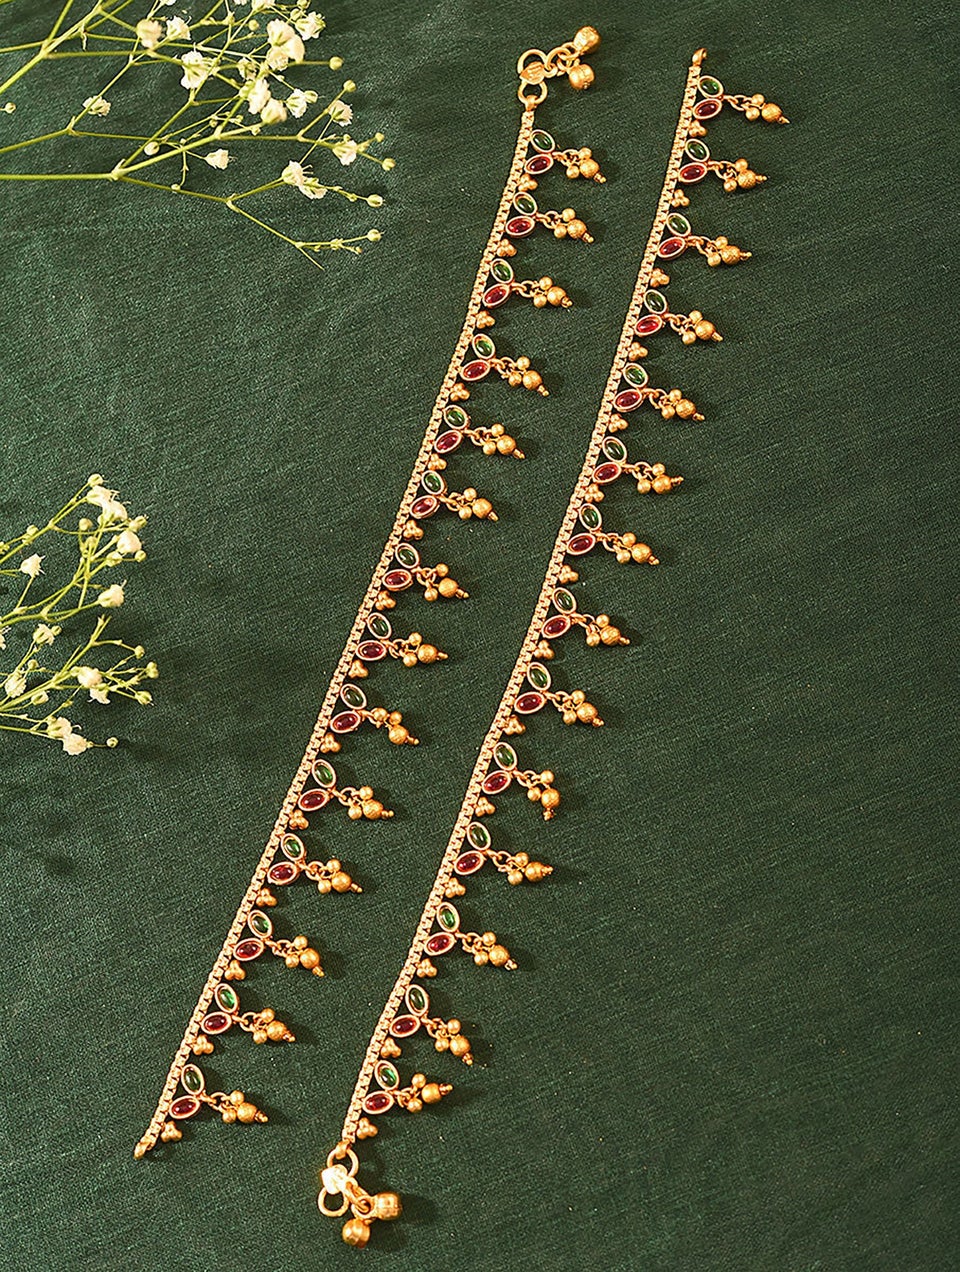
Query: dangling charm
(689, 327)
(411, 1098)
(680, 236)
(234, 1107)
(668, 403)
(446, 1034)
(358, 800)
(485, 949)
(465, 504)
(329, 876)
(492, 441)
(516, 866)
(355, 700)
(412, 651)
(543, 292)
(295, 953)
(573, 707)
(649, 477)
(598, 630)
(263, 1026)
(753, 107)
(515, 372)
(735, 174)
(578, 163)
(435, 580)
(539, 786)
(565, 224)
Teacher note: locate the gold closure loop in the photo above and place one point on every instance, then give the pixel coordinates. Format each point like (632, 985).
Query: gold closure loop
(534, 66)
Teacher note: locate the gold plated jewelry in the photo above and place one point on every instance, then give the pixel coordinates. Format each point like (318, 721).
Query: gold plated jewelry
(529, 688)
(371, 641)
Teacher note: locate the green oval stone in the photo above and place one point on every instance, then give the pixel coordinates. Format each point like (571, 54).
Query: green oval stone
(589, 518)
(433, 484)
(379, 626)
(353, 697)
(324, 773)
(541, 140)
(564, 600)
(387, 1076)
(711, 86)
(505, 755)
(407, 556)
(448, 917)
(656, 302)
(502, 271)
(192, 1079)
(227, 998)
(614, 449)
(634, 374)
(456, 417)
(698, 149)
(526, 204)
(538, 675)
(417, 999)
(292, 847)
(478, 836)
(259, 923)
(484, 348)
(678, 224)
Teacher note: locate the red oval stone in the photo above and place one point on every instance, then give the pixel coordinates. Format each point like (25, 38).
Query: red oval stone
(424, 507)
(282, 873)
(495, 782)
(468, 863)
(648, 325)
(397, 580)
(581, 543)
(311, 801)
(404, 1026)
(628, 400)
(346, 722)
(527, 703)
(371, 651)
(606, 473)
(447, 442)
(217, 1022)
(521, 226)
(539, 164)
(496, 295)
(671, 247)
(440, 943)
(186, 1106)
(709, 107)
(474, 370)
(691, 172)
(248, 949)
(559, 625)
(378, 1102)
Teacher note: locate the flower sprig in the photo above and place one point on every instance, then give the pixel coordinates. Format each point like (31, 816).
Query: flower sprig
(34, 696)
(227, 69)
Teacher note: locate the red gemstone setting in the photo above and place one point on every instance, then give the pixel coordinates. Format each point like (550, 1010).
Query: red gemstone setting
(528, 703)
(404, 1026)
(217, 1022)
(186, 1106)
(468, 863)
(371, 651)
(311, 801)
(691, 172)
(346, 722)
(474, 370)
(378, 1102)
(709, 107)
(246, 951)
(648, 325)
(496, 295)
(671, 247)
(282, 873)
(495, 782)
(559, 625)
(424, 507)
(440, 943)
(606, 473)
(628, 400)
(539, 164)
(447, 442)
(521, 226)
(580, 544)
(397, 580)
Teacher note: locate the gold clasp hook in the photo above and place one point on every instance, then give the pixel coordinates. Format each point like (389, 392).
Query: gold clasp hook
(534, 66)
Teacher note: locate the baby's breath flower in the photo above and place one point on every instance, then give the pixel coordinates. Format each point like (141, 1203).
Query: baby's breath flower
(88, 677)
(44, 635)
(151, 671)
(346, 151)
(340, 112)
(15, 684)
(151, 148)
(100, 695)
(310, 25)
(285, 45)
(296, 175)
(149, 32)
(299, 100)
(274, 112)
(31, 565)
(257, 95)
(128, 543)
(111, 509)
(196, 70)
(144, 697)
(74, 744)
(111, 597)
(58, 727)
(177, 29)
(96, 105)
(217, 158)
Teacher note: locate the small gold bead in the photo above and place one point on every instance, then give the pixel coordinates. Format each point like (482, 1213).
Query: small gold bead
(532, 379)
(309, 959)
(589, 168)
(427, 653)
(577, 228)
(609, 636)
(459, 1046)
(771, 113)
(431, 1093)
(387, 1205)
(356, 1233)
(685, 409)
(276, 1031)
(581, 76)
(448, 587)
(499, 955)
(506, 445)
(372, 809)
(398, 734)
(247, 1113)
(550, 798)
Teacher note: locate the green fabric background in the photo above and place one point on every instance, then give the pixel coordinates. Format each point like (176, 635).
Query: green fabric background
(731, 1043)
